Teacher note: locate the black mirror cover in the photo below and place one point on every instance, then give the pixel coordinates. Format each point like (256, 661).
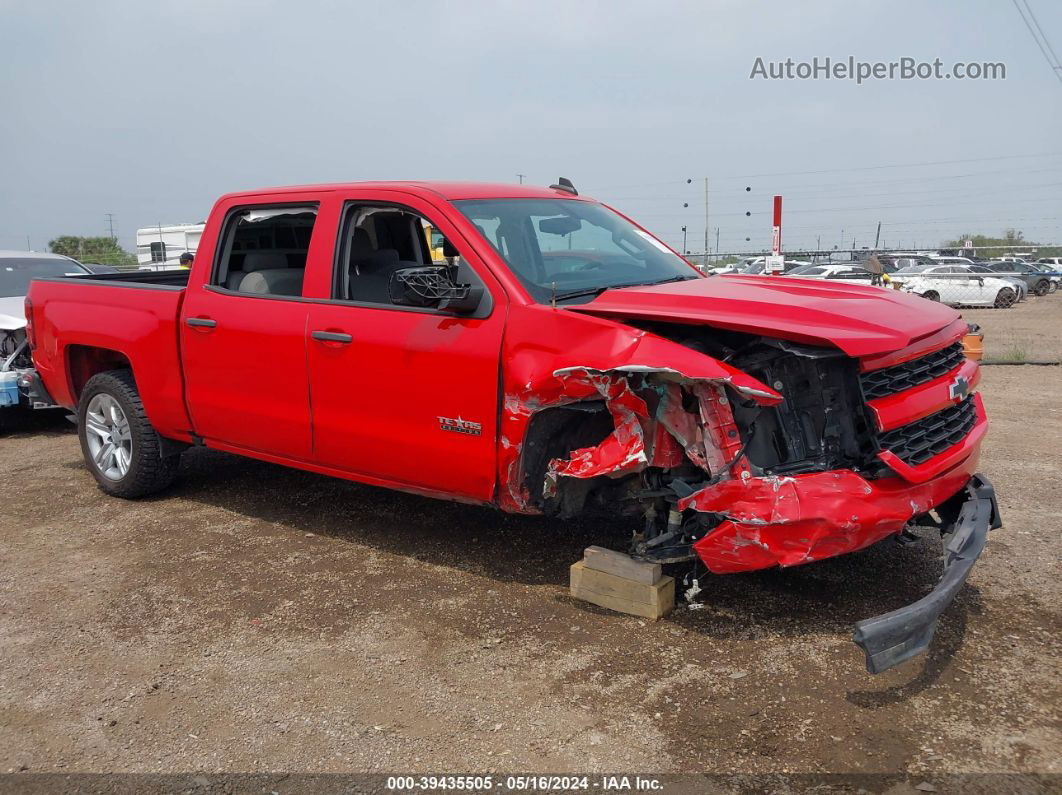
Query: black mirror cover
(432, 286)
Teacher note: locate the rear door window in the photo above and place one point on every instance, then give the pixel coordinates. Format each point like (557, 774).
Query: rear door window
(264, 250)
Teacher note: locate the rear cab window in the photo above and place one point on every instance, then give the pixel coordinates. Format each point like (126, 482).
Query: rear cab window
(263, 249)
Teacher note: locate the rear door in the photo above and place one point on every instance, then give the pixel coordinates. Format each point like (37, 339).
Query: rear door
(408, 396)
(243, 330)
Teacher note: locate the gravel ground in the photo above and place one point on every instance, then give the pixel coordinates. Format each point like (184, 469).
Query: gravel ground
(260, 619)
(1028, 331)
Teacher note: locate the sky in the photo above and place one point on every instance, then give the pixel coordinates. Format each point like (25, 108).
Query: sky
(149, 111)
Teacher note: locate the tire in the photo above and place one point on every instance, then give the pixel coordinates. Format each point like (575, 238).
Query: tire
(121, 448)
(1042, 287)
(1004, 298)
(931, 295)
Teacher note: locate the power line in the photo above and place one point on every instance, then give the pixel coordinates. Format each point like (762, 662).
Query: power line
(893, 165)
(1042, 34)
(922, 164)
(1056, 69)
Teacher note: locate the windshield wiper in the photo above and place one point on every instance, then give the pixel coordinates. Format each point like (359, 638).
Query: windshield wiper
(598, 290)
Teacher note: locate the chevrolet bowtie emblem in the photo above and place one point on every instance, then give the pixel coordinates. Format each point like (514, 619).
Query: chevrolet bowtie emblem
(959, 388)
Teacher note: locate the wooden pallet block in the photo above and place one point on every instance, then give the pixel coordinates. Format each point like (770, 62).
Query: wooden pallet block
(621, 594)
(613, 562)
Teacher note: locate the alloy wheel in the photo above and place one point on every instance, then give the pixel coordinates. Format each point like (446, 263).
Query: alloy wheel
(110, 441)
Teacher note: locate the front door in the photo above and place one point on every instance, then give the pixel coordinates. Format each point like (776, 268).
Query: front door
(405, 395)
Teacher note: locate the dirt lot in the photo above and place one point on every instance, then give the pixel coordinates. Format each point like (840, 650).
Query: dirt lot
(1028, 331)
(261, 619)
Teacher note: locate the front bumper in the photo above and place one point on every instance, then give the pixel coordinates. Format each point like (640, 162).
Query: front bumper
(895, 637)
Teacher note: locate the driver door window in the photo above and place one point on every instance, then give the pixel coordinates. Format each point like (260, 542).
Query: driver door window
(380, 244)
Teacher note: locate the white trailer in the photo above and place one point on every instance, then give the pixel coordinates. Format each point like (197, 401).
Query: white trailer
(160, 247)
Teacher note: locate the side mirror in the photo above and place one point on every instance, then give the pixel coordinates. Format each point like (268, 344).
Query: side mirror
(433, 286)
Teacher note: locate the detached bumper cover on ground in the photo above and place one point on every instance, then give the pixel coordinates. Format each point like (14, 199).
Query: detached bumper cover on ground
(895, 637)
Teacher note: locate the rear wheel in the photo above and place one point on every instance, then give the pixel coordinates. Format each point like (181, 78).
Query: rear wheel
(1042, 287)
(932, 295)
(121, 448)
(1004, 298)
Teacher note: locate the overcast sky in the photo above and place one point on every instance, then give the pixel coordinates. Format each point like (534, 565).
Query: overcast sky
(150, 110)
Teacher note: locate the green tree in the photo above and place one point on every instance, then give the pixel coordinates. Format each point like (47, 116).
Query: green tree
(989, 246)
(103, 250)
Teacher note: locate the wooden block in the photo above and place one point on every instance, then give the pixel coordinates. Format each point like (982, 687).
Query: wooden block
(613, 562)
(623, 595)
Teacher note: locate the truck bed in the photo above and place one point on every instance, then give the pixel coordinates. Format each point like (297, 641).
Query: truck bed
(138, 278)
(84, 324)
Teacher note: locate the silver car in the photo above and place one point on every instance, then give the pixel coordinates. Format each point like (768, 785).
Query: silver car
(17, 268)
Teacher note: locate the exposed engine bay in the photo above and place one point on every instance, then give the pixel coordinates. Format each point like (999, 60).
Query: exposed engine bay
(14, 352)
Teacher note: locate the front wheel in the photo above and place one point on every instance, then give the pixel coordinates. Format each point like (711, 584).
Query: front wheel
(121, 448)
(1042, 287)
(1004, 298)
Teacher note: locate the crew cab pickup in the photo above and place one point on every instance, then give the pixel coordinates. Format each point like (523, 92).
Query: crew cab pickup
(557, 360)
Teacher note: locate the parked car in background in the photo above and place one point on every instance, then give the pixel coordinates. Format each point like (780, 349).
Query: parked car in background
(850, 271)
(1052, 272)
(759, 265)
(1039, 283)
(895, 262)
(982, 267)
(954, 285)
(17, 268)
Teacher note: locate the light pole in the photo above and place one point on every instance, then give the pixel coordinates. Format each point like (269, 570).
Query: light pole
(684, 249)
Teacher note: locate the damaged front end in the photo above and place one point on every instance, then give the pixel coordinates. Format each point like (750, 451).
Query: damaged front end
(750, 452)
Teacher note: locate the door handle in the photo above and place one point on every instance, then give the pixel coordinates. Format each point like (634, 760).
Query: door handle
(201, 322)
(331, 336)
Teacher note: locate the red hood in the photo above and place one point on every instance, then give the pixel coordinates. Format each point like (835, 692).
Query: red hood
(861, 321)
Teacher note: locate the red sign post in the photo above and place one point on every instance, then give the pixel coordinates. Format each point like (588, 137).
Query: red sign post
(776, 263)
(776, 232)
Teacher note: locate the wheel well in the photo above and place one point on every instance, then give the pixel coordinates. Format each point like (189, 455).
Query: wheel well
(85, 361)
(555, 432)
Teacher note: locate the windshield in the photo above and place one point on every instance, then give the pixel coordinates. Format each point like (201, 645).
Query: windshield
(570, 248)
(15, 274)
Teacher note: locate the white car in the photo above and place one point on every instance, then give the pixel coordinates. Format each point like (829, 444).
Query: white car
(17, 268)
(834, 270)
(955, 285)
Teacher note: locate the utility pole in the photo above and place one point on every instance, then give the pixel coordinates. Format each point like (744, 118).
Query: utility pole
(818, 242)
(706, 216)
(521, 178)
(877, 237)
(717, 240)
(110, 224)
(28, 246)
(685, 251)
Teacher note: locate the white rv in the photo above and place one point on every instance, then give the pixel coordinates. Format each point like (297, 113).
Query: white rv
(160, 247)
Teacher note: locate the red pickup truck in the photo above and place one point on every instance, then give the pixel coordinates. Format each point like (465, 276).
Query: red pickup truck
(555, 359)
